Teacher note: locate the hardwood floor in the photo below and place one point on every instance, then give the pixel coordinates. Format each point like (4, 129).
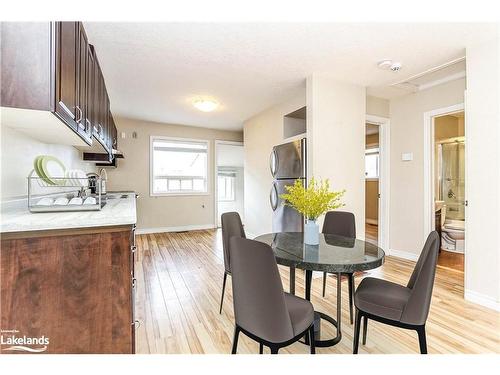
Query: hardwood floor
(180, 281)
(451, 260)
(371, 233)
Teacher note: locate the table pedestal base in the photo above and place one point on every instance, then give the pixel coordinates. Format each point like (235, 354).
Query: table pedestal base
(319, 315)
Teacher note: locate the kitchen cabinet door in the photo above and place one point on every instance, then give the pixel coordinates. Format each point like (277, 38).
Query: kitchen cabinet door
(67, 64)
(91, 91)
(83, 105)
(114, 134)
(100, 104)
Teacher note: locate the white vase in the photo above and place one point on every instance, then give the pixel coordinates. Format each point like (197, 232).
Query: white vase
(311, 233)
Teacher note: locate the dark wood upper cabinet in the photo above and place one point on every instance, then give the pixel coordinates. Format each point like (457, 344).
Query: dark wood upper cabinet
(83, 103)
(51, 67)
(67, 73)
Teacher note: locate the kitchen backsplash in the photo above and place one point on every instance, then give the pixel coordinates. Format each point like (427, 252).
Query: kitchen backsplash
(18, 152)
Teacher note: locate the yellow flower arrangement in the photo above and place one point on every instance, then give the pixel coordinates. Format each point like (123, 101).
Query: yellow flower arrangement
(313, 201)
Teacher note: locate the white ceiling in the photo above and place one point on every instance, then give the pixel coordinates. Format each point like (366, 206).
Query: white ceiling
(153, 71)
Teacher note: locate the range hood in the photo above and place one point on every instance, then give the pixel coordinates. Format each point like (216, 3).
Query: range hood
(102, 159)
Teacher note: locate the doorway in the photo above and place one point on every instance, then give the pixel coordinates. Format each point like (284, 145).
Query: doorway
(229, 180)
(445, 174)
(449, 188)
(372, 174)
(377, 177)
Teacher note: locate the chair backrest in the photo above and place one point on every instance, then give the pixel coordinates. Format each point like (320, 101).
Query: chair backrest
(231, 227)
(340, 223)
(421, 283)
(258, 297)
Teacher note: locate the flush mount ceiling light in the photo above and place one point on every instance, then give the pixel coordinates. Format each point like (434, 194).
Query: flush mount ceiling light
(205, 105)
(385, 64)
(394, 66)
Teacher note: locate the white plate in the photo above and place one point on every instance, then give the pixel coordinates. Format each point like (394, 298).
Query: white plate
(76, 201)
(70, 177)
(45, 202)
(61, 201)
(81, 177)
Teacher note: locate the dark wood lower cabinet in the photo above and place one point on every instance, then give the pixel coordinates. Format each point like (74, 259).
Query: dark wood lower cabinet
(75, 287)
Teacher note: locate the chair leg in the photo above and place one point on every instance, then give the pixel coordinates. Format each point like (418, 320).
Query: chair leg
(422, 341)
(223, 289)
(312, 342)
(324, 282)
(261, 348)
(356, 332)
(350, 281)
(274, 349)
(235, 339)
(365, 328)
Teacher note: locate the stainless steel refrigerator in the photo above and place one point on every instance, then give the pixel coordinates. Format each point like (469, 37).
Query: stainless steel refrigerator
(287, 163)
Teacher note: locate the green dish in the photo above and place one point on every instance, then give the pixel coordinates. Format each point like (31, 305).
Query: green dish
(49, 176)
(38, 169)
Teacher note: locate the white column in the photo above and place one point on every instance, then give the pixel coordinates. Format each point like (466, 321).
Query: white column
(482, 254)
(336, 140)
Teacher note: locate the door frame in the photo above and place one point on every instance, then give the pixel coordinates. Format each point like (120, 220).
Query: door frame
(429, 189)
(384, 178)
(218, 142)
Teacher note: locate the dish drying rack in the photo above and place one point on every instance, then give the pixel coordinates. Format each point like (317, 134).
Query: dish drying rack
(39, 188)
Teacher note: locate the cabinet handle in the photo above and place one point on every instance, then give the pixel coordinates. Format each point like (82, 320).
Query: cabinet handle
(136, 323)
(133, 248)
(134, 282)
(87, 126)
(80, 113)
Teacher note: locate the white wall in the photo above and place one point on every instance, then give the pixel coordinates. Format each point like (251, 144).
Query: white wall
(407, 177)
(261, 133)
(18, 153)
(377, 106)
(336, 115)
(164, 212)
(482, 255)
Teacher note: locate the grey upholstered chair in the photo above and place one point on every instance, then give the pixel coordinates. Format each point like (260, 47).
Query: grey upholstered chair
(396, 305)
(343, 224)
(231, 227)
(262, 311)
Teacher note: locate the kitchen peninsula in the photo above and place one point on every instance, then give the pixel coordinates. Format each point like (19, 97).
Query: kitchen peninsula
(70, 277)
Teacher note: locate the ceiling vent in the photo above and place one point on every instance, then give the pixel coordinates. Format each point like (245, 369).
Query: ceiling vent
(438, 75)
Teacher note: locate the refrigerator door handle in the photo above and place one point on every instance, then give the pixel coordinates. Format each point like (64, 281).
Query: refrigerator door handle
(273, 162)
(273, 197)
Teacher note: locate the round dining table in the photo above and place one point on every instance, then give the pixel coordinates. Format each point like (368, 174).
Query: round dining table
(334, 254)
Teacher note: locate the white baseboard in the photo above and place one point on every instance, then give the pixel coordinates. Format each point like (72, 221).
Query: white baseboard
(174, 229)
(371, 221)
(482, 300)
(403, 254)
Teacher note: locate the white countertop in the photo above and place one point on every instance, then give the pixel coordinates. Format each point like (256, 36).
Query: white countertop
(117, 211)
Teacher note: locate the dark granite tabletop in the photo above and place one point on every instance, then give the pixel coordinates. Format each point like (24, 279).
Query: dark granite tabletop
(333, 254)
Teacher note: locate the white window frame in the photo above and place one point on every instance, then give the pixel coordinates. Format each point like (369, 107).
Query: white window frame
(152, 138)
(370, 151)
(233, 182)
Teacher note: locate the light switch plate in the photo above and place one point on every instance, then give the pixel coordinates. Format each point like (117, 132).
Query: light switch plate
(407, 156)
(123, 135)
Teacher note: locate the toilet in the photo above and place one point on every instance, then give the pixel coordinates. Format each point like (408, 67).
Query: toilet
(453, 235)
